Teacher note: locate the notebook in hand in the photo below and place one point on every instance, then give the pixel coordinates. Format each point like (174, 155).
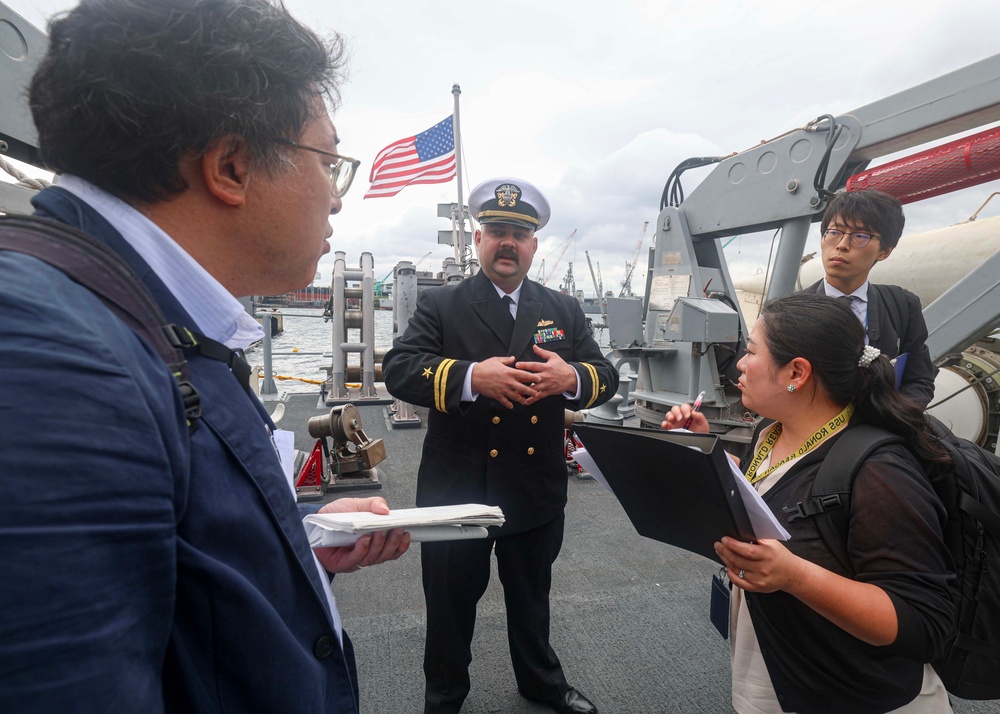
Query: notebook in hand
(676, 487)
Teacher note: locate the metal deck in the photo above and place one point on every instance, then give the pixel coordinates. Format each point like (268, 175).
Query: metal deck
(629, 615)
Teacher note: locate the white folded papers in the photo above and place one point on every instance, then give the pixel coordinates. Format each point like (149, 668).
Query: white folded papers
(468, 520)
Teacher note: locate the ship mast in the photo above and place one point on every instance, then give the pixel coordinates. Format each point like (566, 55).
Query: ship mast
(458, 213)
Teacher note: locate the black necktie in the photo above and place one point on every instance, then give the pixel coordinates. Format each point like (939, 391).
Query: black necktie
(507, 302)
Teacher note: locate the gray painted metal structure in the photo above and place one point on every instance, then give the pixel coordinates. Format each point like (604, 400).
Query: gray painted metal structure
(685, 348)
(344, 317)
(21, 48)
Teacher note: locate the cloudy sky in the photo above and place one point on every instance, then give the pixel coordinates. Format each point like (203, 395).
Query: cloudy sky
(597, 102)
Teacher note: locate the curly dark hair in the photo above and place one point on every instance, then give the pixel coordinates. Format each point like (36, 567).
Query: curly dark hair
(129, 87)
(827, 333)
(876, 210)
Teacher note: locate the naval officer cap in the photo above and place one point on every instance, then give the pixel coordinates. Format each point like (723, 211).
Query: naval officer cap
(509, 200)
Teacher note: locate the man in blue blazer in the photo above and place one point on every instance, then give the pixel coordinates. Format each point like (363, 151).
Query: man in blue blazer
(497, 358)
(146, 568)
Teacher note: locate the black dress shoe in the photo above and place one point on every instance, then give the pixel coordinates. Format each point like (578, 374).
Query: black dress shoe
(574, 703)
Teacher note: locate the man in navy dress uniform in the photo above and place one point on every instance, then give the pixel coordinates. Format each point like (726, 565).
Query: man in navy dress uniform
(497, 359)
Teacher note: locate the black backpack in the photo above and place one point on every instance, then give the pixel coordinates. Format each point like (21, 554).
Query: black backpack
(102, 271)
(970, 492)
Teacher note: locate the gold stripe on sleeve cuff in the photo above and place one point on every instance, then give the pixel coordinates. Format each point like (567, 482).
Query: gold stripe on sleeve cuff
(594, 381)
(441, 385)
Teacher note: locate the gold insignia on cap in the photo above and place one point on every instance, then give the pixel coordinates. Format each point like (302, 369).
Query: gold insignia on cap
(507, 195)
(544, 323)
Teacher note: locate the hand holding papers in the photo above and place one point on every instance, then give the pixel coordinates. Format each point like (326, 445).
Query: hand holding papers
(762, 520)
(468, 520)
(764, 523)
(677, 487)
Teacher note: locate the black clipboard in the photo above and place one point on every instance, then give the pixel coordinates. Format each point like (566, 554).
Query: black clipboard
(671, 492)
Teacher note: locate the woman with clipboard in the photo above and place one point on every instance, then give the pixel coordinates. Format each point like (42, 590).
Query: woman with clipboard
(808, 632)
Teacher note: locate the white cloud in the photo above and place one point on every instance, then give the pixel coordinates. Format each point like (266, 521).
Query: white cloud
(596, 102)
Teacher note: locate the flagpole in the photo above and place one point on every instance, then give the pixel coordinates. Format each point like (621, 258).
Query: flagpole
(458, 216)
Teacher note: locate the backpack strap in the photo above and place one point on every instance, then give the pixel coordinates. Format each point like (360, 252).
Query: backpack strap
(184, 338)
(830, 496)
(93, 265)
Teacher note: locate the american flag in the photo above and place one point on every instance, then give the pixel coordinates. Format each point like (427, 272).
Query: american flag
(428, 157)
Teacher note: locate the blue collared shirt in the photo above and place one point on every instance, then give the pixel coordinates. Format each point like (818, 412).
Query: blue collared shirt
(217, 314)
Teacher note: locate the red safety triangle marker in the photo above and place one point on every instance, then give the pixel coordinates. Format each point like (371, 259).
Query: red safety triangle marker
(312, 472)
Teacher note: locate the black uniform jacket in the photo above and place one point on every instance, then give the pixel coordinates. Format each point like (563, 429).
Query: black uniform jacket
(480, 451)
(894, 340)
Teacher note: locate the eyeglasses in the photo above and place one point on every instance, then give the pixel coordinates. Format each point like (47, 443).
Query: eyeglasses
(857, 239)
(342, 169)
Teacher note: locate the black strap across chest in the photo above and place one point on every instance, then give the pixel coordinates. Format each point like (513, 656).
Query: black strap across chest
(103, 272)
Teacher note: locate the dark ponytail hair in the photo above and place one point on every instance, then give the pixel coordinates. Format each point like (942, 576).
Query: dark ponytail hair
(827, 333)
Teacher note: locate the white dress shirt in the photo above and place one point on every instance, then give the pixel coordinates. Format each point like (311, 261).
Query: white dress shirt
(217, 314)
(859, 302)
(467, 394)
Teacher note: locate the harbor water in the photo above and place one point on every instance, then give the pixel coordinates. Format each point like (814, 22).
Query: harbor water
(301, 354)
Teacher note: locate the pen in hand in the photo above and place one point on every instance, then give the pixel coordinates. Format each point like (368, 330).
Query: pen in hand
(695, 407)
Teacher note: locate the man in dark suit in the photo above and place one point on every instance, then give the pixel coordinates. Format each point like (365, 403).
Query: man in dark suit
(147, 568)
(859, 229)
(497, 358)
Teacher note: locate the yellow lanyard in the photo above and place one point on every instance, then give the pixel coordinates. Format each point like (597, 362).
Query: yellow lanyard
(810, 443)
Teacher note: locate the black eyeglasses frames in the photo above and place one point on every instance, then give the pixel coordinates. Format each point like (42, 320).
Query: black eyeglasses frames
(856, 239)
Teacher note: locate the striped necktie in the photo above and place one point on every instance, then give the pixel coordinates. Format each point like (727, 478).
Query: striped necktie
(854, 303)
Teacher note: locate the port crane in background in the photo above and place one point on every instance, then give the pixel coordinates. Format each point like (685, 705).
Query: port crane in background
(380, 291)
(626, 290)
(568, 285)
(562, 251)
(598, 287)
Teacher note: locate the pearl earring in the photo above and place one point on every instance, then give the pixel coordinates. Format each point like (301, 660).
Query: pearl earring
(791, 387)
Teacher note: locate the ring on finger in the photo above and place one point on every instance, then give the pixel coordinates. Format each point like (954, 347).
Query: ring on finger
(741, 574)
